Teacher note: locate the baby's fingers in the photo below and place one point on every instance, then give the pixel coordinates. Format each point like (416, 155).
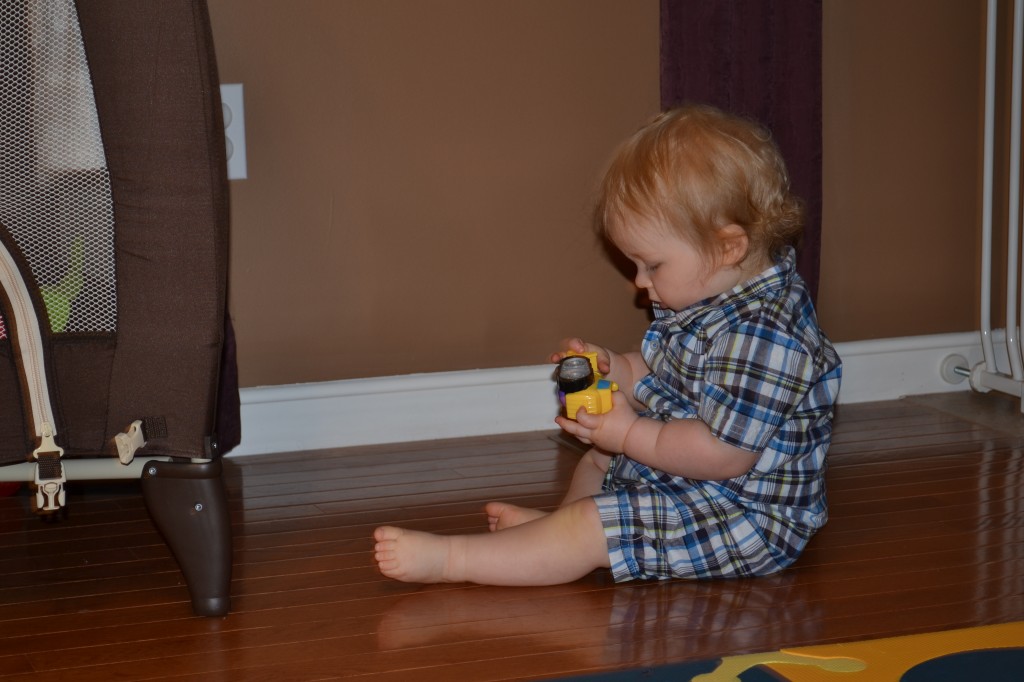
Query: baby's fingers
(574, 344)
(569, 346)
(573, 428)
(587, 420)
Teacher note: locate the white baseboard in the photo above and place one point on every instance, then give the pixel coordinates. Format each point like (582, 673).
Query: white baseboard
(511, 400)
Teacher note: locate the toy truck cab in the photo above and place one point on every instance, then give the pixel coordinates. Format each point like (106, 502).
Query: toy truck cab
(580, 385)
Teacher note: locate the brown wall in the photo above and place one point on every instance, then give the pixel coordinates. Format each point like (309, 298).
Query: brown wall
(902, 133)
(420, 176)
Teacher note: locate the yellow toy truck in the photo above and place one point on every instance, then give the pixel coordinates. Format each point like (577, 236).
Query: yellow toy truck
(580, 385)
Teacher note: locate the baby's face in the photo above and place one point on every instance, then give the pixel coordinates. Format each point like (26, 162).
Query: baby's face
(672, 271)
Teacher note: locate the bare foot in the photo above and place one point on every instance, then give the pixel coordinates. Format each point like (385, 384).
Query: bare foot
(412, 556)
(501, 515)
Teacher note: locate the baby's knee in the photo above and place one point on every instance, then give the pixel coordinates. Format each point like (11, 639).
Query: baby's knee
(597, 459)
(585, 531)
(583, 514)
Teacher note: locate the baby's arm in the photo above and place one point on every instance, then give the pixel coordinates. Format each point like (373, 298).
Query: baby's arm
(686, 447)
(683, 447)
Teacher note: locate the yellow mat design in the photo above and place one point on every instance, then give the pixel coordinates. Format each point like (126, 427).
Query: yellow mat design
(873, 660)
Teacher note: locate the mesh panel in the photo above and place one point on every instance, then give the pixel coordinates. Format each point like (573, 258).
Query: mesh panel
(54, 185)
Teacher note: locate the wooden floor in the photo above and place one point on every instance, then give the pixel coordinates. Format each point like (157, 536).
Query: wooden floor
(926, 533)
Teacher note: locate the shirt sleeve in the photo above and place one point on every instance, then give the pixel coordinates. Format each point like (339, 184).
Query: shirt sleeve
(754, 380)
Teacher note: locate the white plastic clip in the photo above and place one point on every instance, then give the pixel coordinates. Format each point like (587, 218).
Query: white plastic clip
(50, 491)
(129, 442)
(49, 478)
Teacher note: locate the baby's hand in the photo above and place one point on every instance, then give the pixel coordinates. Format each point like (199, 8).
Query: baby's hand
(606, 431)
(579, 346)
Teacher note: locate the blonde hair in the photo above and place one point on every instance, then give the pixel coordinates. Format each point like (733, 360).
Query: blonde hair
(696, 169)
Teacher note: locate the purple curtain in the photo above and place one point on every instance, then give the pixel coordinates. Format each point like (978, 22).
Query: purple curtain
(760, 59)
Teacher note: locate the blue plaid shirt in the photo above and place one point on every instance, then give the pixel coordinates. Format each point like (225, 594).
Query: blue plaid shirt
(752, 365)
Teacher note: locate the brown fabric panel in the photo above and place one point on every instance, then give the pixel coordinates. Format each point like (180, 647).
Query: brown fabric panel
(14, 443)
(158, 101)
(81, 367)
(229, 403)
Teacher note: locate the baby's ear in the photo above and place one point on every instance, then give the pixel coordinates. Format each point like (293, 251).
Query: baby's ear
(734, 244)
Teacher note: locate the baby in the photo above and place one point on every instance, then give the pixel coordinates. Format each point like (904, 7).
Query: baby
(713, 464)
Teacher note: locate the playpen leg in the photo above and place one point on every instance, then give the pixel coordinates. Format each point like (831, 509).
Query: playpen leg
(188, 505)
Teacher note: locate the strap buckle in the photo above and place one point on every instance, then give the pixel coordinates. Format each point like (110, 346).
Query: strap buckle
(130, 441)
(49, 478)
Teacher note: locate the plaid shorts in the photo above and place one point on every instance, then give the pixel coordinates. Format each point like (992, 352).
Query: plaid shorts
(660, 526)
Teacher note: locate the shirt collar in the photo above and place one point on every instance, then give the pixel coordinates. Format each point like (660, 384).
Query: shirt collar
(776, 277)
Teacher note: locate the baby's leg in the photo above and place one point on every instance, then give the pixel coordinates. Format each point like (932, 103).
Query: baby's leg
(557, 548)
(588, 477)
(586, 482)
(502, 515)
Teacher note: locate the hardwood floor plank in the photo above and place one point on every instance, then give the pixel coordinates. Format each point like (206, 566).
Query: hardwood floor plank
(925, 533)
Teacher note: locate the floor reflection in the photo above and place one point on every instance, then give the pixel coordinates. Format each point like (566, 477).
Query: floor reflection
(610, 625)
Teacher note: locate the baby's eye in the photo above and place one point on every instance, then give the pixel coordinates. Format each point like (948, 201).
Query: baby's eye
(651, 267)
